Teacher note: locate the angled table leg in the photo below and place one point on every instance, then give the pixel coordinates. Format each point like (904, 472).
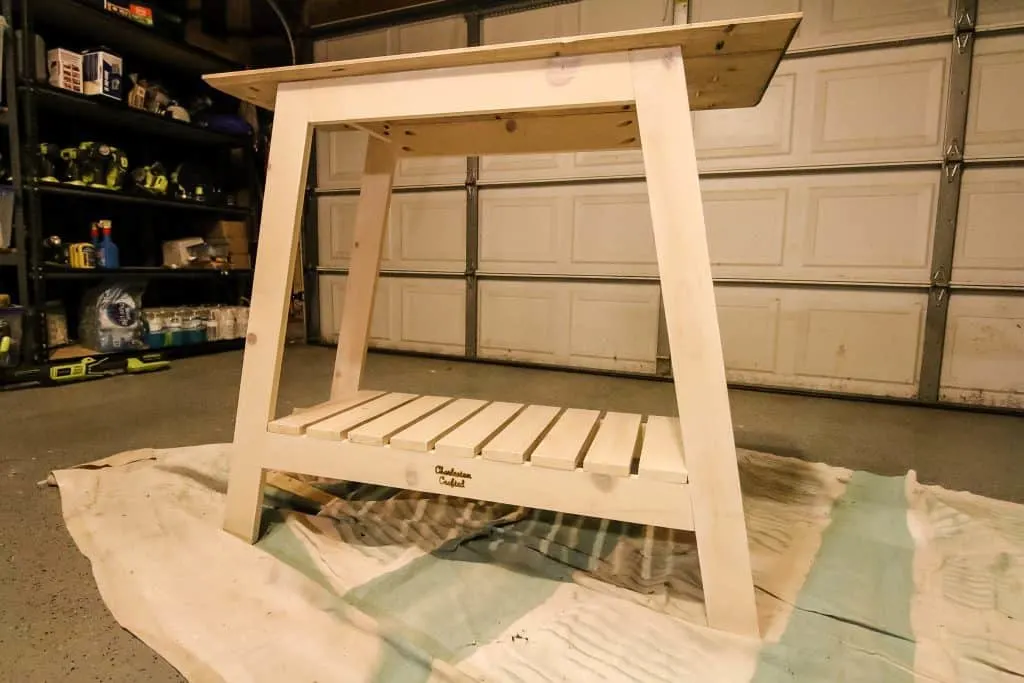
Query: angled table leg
(361, 286)
(268, 317)
(698, 367)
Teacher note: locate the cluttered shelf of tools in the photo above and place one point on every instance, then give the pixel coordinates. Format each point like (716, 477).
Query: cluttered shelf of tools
(66, 273)
(106, 28)
(120, 115)
(139, 199)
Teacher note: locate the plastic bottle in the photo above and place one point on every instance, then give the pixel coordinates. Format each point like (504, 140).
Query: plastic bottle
(108, 252)
(94, 235)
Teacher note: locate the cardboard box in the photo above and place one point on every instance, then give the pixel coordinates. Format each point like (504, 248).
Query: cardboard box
(65, 69)
(227, 230)
(101, 74)
(233, 245)
(183, 252)
(240, 261)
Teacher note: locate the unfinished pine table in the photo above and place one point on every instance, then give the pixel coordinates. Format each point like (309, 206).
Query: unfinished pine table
(609, 91)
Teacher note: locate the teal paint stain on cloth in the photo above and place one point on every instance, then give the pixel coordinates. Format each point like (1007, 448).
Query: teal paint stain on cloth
(404, 658)
(445, 604)
(852, 616)
(459, 599)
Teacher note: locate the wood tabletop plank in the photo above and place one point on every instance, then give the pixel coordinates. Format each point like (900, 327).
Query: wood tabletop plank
(465, 440)
(661, 455)
(562, 448)
(336, 428)
(378, 432)
(614, 446)
(297, 422)
(771, 34)
(424, 434)
(514, 442)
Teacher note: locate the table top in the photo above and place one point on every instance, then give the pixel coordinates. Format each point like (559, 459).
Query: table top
(754, 46)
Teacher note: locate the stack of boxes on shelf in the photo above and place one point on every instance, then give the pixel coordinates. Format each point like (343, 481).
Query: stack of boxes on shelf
(94, 72)
(225, 245)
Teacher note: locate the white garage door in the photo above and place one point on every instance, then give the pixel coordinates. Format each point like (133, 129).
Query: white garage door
(822, 206)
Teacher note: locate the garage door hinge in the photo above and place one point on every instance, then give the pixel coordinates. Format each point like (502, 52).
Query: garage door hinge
(962, 40)
(939, 278)
(952, 169)
(964, 20)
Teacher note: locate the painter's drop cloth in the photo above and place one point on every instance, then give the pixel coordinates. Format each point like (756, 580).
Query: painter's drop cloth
(859, 577)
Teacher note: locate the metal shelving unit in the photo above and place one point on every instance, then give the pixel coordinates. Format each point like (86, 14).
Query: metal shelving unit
(35, 110)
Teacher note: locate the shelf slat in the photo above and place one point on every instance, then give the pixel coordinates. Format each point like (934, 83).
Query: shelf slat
(121, 115)
(143, 200)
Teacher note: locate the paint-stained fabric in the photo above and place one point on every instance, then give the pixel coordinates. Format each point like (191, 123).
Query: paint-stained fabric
(859, 578)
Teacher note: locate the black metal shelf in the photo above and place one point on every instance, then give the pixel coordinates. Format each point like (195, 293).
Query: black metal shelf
(9, 258)
(64, 273)
(121, 115)
(139, 199)
(120, 34)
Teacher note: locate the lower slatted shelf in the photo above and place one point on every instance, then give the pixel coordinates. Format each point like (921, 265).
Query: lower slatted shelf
(589, 441)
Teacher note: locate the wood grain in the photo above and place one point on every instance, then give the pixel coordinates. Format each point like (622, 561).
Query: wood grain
(768, 35)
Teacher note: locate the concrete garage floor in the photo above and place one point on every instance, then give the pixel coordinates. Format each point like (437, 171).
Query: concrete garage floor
(54, 626)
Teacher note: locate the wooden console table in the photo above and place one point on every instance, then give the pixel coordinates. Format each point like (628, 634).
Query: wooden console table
(618, 90)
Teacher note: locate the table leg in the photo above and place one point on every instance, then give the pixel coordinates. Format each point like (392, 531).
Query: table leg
(698, 367)
(268, 315)
(361, 285)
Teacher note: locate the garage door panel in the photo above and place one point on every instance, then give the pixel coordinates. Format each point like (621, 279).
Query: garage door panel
(864, 228)
(426, 231)
(877, 106)
(746, 228)
(571, 230)
(430, 231)
(332, 304)
(339, 159)
(432, 316)
(520, 230)
(1000, 13)
(855, 227)
(590, 325)
(995, 117)
(989, 240)
(409, 314)
(523, 321)
(614, 327)
(840, 22)
(603, 16)
(427, 35)
(610, 163)
(613, 232)
(749, 325)
(861, 343)
(335, 221)
(356, 46)
(983, 357)
(831, 340)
